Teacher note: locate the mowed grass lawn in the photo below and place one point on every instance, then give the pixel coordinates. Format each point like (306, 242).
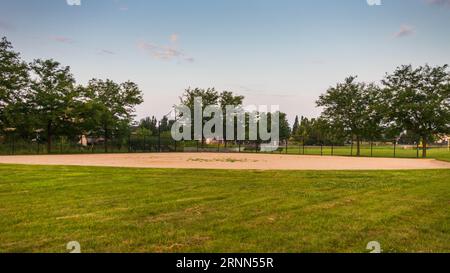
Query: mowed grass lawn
(144, 210)
(382, 151)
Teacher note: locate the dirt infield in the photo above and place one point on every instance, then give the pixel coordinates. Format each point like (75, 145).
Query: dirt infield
(228, 161)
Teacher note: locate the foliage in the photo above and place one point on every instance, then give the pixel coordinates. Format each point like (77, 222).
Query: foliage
(418, 100)
(14, 81)
(43, 97)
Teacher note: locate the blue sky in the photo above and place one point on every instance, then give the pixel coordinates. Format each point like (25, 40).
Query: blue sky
(284, 52)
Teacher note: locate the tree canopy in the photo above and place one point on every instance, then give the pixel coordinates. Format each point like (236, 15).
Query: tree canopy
(418, 100)
(352, 105)
(43, 97)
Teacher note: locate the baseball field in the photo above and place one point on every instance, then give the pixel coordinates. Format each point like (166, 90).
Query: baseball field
(223, 203)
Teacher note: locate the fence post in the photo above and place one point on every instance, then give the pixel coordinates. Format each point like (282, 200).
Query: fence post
(239, 143)
(395, 148)
(321, 149)
(145, 143)
(351, 149)
(159, 137)
(13, 145)
(371, 148)
(287, 146)
(197, 146)
(129, 142)
(332, 149)
(417, 149)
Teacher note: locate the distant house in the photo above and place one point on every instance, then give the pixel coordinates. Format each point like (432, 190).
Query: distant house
(86, 141)
(443, 140)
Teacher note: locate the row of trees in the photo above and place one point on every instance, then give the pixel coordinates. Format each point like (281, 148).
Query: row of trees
(226, 98)
(410, 104)
(413, 101)
(210, 96)
(43, 97)
(316, 131)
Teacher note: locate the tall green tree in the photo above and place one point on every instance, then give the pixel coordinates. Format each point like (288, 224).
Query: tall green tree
(418, 100)
(228, 98)
(209, 97)
(14, 83)
(296, 127)
(52, 97)
(373, 116)
(347, 105)
(113, 103)
(285, 129)
(150, 124)
(164, 124)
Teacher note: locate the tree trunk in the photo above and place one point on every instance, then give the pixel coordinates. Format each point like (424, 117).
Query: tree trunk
(49, 137)
(424, 147)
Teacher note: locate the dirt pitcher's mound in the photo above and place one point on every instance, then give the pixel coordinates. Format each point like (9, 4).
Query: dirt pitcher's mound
(228, 161)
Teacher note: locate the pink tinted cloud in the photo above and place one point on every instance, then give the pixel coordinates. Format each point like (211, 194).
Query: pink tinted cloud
(61, 39)
(405, 31)
(174, 37)
(165, 53)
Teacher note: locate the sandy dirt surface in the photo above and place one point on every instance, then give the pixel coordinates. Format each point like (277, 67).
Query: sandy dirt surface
(228, 161)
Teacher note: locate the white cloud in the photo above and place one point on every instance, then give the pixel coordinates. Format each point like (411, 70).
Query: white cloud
(73, 2)
(374, 2)
(106, 51)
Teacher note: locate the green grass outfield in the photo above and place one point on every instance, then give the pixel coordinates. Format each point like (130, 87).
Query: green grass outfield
(382, 151)
(152, 210)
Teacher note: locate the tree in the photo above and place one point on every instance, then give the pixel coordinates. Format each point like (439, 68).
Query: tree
(14, 82)
(150, 124)
(296, 127)
(209, 97)
(349, 105)
(285, 129)
(374, 114)
(114, 104)
(229, 99)
(53, 96)
(418, 100)
(303, 130)
(164, 124)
